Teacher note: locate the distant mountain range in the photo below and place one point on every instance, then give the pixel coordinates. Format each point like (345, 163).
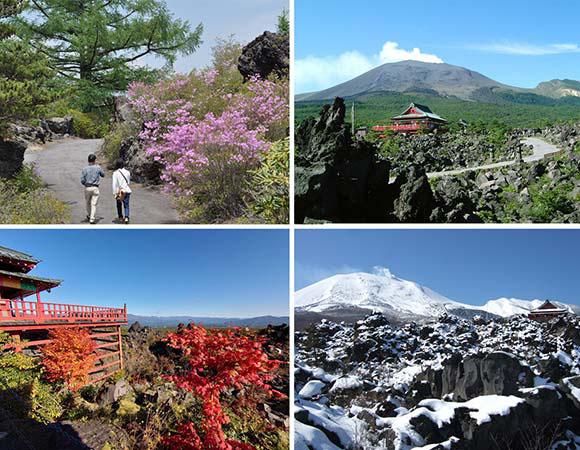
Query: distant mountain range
(448, 81)
(158, 321)
(351, 296)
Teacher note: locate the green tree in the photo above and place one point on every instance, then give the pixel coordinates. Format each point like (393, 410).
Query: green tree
(95, 43)
(8, 9)
(23, 72)
(283, 26)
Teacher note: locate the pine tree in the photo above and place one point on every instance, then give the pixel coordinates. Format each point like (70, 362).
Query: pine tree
(95, 43)
(23, 72)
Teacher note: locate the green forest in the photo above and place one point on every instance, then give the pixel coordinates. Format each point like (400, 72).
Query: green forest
(512, 109)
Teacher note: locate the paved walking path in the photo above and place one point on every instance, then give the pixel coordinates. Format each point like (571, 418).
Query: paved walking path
(60, 163)
(541, 150)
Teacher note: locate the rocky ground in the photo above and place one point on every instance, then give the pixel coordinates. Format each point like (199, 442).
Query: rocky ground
(18, 136)
(133, 410)
(342, 179)
(449, 384)
(454, 150)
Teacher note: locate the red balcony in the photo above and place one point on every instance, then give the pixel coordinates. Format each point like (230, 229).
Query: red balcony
(399, 127)
(22, 314)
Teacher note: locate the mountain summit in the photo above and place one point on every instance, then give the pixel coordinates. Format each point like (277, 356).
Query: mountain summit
(397, 298)
(445, 80)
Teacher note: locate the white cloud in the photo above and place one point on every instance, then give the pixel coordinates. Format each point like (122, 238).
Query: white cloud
(314, 73)
(392, 53)
(522, 48)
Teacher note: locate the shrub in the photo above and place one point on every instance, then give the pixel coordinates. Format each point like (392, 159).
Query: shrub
(218, 362)
(69, 356)
(24, 200)
(22, 389)
(270, 185)
(86, 126)
(547, 203)
(114, 140)
(208, 131)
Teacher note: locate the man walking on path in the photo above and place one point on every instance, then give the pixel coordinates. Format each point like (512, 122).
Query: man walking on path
(90, 179)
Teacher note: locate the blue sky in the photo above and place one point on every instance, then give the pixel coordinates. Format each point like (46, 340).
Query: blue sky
(245, 19)
(470, 266)
(515, 42)
(215, 273)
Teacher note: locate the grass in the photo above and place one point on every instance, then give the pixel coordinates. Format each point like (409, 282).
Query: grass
(25, 200)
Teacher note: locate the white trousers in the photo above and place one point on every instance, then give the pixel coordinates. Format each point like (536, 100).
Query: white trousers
(92, 198)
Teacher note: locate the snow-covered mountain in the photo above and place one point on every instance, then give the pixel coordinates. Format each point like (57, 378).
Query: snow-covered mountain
(506, 307)
(382, 291)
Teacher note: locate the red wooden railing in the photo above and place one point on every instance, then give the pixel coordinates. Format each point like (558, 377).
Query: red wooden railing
(400, 127)
(40, 312)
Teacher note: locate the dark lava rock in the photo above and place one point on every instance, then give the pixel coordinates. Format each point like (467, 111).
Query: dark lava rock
(346, 180)
(497, 373)
(568, 385)
(60, 125)
(502, 374)
(416, 201)
(551, 368)
(501, 432)
(387, 408)
(268, 53)
(546, 404)
(374, 320)
(135, 328)
(11, 157)
(144, 169)
(339, 179)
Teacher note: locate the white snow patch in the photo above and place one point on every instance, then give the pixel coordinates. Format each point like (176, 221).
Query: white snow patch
(446, 444)
(564, 358)
(488, 405)
(333, 419)
(345, 383)
(573, 389)
(306, 437)
(311, 389)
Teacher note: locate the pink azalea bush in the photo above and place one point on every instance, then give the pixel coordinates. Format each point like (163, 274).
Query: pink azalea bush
(208, 130)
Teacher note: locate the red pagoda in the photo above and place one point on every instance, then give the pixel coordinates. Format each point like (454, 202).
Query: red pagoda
(415, 118)
(30, 321)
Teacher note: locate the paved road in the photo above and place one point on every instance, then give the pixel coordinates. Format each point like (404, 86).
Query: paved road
(60, 163)
(541, 149)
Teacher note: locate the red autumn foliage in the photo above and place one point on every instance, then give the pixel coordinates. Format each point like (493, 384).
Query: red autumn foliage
(69, 356)
(218, 362)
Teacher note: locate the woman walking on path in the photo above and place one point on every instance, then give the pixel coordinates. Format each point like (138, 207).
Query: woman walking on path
(121, 190)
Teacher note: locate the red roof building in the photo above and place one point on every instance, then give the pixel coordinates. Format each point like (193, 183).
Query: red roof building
(546, 311)
(413, 119)
(29, 321)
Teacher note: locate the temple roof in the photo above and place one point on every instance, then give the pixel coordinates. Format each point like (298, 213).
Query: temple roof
(422, 112)
(16, 284)
(25, 276)
(547, 307)
(14, 254)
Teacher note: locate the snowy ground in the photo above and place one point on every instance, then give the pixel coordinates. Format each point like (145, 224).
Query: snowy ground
(453, 384)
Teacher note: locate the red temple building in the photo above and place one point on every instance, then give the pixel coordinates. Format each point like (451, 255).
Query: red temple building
(29, 321)
(546, 311)
(415, 118)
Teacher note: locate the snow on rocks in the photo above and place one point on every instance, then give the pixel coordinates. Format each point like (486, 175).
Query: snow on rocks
(311, 389)
(308, 437)
(449, 384)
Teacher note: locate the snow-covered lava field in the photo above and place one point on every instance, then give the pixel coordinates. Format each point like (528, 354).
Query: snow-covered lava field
(449, 383)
